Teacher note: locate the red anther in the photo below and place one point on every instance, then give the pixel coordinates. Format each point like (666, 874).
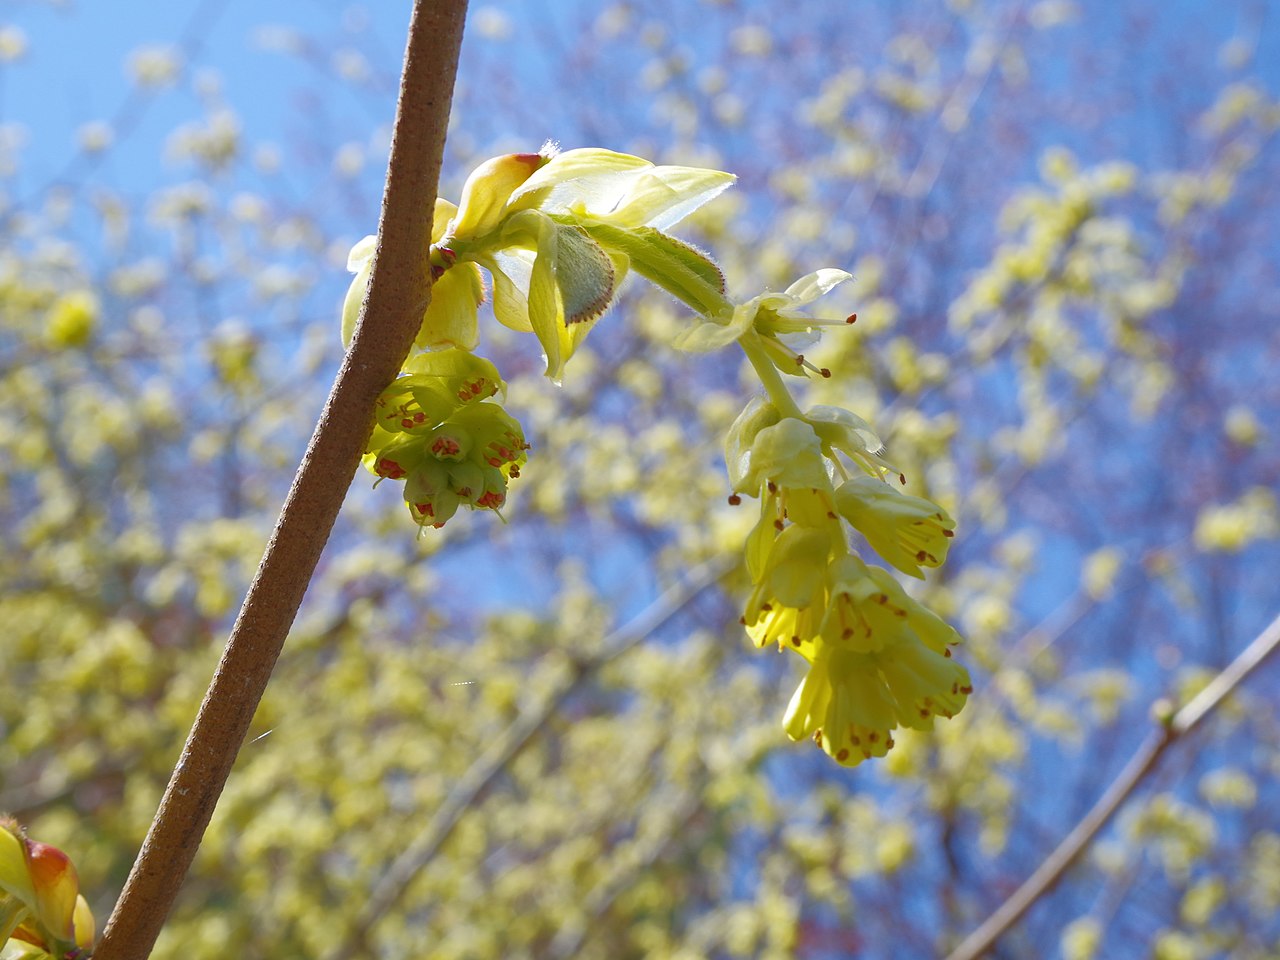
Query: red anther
(406, 423)
(390, 469)
(425, 509)
(851, 318)
(493, 461)
(447, 255)
(492, 500)
(436, 272)
(445, 447)
(734, 500)
(419, 417)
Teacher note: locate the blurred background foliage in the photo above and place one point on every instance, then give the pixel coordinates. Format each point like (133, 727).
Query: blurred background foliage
(550, 738)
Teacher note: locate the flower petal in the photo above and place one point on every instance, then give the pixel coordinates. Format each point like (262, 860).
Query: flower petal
(811, 287)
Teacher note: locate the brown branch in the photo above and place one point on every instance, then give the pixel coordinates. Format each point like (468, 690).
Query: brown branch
(398, 289)
(1140, 764)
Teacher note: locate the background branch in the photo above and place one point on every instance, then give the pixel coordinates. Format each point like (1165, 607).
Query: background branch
(1140, 764)
(422, 848)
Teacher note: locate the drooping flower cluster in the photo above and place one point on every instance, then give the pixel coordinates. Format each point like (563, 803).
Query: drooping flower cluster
(42, 914)
(558, 232)
(877, 659)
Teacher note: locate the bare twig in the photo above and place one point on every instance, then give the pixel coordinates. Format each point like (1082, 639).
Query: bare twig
(400, 281)
(1143, 761)
(422, 848)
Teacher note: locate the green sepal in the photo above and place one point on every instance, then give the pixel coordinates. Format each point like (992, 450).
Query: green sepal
(680, 268)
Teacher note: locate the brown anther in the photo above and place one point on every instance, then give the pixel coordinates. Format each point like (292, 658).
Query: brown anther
(734, 500)
(853, 738)
(795, 641)
(799, 359)
(778, 524)
(948, 533)
(921, 557)
(766, 607)
(826, 373)
(889, 744)
(851, 318)
(842, 755)
(946, 652)
(771, 487)
(817, 737)
(902, 479)
(872, 737)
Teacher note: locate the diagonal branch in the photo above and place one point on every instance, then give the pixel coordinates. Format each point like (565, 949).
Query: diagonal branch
(1176, 727)
(399, 287)
(423, 848)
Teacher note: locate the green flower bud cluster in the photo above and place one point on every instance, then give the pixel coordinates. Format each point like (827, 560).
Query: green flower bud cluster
(439, 430)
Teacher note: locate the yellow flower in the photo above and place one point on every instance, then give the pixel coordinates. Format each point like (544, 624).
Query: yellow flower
(878, 660)
(781, 319)
(909, 532)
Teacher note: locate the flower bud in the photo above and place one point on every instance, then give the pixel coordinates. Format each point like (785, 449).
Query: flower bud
(485, 194)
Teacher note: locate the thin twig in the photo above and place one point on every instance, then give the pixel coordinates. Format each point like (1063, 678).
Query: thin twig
(1142, 762)
(399, 281)
(423, 848)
